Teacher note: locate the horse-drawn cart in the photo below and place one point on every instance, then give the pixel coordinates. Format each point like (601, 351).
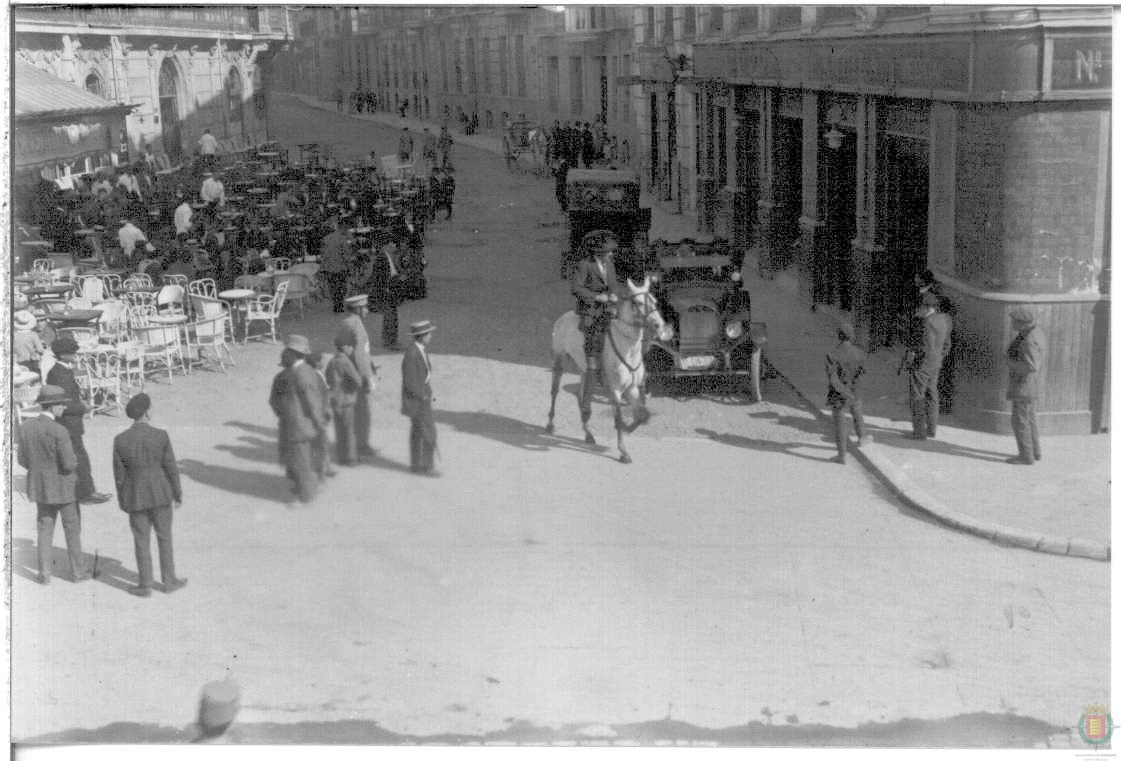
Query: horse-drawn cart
(523, 136)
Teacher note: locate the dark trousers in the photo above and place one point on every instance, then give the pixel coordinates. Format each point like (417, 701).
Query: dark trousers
(85, 485)
(1025, 429)
(422, 441)
(840, 426)
(362, 421)
(594, 327)
(389, 322)
(320, 456)
(142, 522)
(924, 403)
(301, 469)
(346, 447)
(336, 284)
(71, 526)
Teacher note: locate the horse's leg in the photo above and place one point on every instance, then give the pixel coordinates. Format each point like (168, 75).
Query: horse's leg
(641, 414)
(624, 456)
(558, 371)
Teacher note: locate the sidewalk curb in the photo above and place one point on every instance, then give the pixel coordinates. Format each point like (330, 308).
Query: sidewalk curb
(914, 497)
(878, 464)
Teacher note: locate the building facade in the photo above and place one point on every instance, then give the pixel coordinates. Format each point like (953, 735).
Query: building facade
(186, 69)
(855, 146)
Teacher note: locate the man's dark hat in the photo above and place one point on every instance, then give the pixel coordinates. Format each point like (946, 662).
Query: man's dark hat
(138, 406)
(1022, 316)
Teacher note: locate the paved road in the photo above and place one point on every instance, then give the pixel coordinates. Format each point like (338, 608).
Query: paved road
(730, 575)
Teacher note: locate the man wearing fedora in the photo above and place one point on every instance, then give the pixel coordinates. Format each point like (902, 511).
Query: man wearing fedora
(925, 362)
(44, 448)
(1025, 358)
(61, 374)
(353, 332)
(297, 401)
(416, 398)
(148, 490)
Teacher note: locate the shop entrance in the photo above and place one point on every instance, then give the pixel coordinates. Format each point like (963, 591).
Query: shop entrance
(905, 178)
(787, 190)
(745, 222)
(833, 259)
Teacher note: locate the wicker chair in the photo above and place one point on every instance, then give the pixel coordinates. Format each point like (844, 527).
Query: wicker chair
(266, 309)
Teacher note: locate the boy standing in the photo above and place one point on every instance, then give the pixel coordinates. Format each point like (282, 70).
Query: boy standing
(844, 365)
(344, 383)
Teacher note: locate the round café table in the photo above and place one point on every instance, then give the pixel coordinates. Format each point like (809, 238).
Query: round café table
(74, 317)
(47, 291)
(40, 244)
(237, 298)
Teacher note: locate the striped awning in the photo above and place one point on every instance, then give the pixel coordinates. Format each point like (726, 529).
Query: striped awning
(41, 95)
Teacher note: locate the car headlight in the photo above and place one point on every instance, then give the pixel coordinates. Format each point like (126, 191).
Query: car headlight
(733, 329)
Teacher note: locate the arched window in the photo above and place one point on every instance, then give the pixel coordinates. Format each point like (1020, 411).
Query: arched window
(94, 85)
(234, 96)
(169, 109)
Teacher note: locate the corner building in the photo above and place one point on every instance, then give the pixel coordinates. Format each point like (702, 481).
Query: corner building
(853, 147)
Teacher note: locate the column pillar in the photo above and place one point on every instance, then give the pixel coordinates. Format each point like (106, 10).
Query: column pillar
(809, 251)
(764, 207)
(868, 308)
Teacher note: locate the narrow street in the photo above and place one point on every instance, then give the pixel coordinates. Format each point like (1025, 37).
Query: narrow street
(730, 575)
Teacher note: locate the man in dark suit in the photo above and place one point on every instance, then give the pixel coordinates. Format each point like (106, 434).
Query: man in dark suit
(61, 374)
(1025, 359)
(925, 362)
(297, 401)
(416, 399)
(844, 365)
(46, 451)
(333, 262)
(148, 490)
(594, 285)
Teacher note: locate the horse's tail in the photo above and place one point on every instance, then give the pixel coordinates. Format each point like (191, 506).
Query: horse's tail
(568, 340)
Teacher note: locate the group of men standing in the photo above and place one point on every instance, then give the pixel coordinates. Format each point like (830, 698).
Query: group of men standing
(144, 469)
(311, 391)
(575, 144)
(923, 360)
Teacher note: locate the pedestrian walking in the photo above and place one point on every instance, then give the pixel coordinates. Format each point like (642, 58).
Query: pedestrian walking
(417, 399)
(333, 264)
(444, 146)
(843, 366)
(61, 374)
(447, 191)
(344, 384)
(320, 448)
(45, 450)
(297, 402)
(354, 329)
(561, 174)
(405, 145)
(148, 490)
(924, 361)
(1025, 358)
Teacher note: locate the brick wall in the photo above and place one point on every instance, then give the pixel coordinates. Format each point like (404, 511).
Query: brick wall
(1029, 201)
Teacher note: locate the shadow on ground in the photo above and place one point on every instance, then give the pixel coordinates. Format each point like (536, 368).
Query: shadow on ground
(110, 571)
(976, 730)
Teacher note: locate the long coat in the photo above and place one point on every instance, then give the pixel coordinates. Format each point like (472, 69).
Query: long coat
(46, 452)
(935, 343)
(297, 400)
(416, 388)
(144, 469)
(353, 327)
(1025, 358)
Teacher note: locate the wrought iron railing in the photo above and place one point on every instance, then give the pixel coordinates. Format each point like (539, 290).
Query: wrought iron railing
(215, 18)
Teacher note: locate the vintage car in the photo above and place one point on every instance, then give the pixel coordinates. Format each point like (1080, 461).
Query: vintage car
(700, 293)
(607, 199)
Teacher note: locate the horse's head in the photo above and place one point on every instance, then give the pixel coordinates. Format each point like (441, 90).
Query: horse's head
(639, 307)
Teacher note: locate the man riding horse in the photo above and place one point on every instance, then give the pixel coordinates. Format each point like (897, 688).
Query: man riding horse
(594, 286)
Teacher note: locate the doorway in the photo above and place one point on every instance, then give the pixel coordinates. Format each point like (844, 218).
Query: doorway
(787, 191)
(904, 190)
(747, 177)
(833, 259)
(169, 111)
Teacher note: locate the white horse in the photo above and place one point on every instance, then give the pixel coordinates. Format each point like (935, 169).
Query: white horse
(624, 373)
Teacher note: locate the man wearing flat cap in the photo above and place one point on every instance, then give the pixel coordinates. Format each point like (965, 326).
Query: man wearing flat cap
(61, 374)
(843, 366)
(352, 331)
(931, 346)
(416, 398)
(148, 490)
(44, 448)
(1025, 359)
(297, 401)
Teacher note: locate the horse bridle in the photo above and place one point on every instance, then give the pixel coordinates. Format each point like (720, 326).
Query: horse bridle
(644, 315)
